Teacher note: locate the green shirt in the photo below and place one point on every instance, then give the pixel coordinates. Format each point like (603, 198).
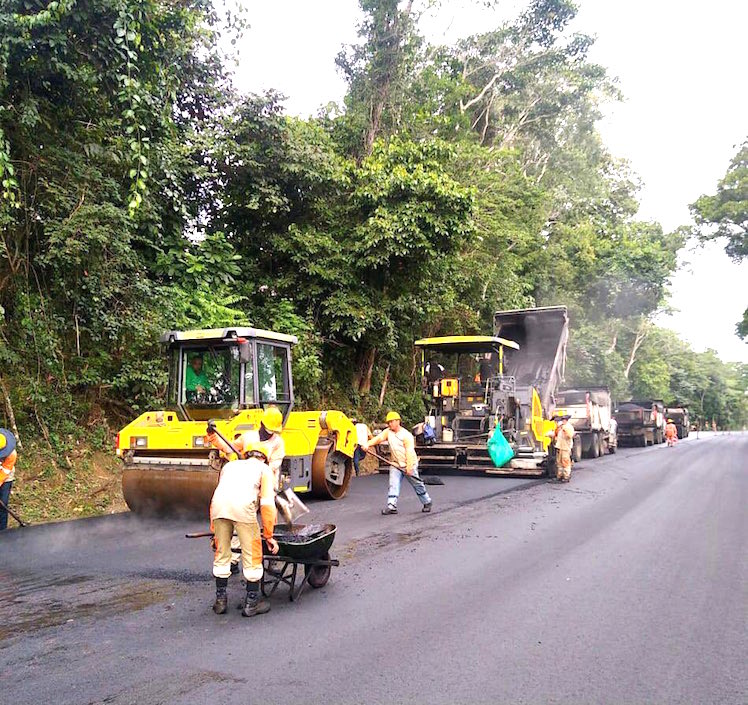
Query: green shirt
(193, 380)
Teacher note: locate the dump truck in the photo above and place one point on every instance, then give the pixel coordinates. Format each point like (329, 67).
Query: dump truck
(591, 410)
(227, 376)
(679, 415)
(476, 384)
(640, 422)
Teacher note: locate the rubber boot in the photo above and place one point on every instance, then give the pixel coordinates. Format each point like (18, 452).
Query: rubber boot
(221, 603)
(253, 603)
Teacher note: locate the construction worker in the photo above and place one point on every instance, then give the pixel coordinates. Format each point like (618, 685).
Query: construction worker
(404, 462)
(244, 486)
(563, 439)
(671, 433)
(196, 382)
(8, 457)
(269, 435)
(363, 434)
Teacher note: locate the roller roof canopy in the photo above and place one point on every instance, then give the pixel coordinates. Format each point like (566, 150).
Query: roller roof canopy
(224, 334)
(465, 343)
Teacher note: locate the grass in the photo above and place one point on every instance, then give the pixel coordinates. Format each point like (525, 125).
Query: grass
(85, 481)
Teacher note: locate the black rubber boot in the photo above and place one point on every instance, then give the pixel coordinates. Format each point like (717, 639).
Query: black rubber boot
(253, 603)
(221, 603)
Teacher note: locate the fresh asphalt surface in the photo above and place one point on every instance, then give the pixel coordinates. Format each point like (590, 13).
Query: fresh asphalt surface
(628, 585)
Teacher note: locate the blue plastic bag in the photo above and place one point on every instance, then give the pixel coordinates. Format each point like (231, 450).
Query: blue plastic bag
(499, 449)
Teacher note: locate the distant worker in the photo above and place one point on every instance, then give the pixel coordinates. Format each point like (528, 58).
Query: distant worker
(613, 434)
(363, 434)
(671, 433)
(563, 441)
(244, 486)
(434, 372)
(196, 382)
(269, 436)
(8, 457)
(488, 367)
(404, 462)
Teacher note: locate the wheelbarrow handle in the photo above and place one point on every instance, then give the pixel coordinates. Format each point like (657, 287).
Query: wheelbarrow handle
(200, 535)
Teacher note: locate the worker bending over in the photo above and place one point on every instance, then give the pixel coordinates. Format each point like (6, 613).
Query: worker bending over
(563, 441)
(269, 435)
(244, 486)
(671, 433)
(404, 462)
(8, 457)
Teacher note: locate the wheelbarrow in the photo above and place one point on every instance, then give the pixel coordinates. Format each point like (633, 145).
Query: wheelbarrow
(298, 545)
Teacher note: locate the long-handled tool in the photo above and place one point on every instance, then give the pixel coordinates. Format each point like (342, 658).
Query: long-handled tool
(426, 479)
(20, 521)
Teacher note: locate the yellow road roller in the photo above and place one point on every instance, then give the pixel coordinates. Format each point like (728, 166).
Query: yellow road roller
(229, 376)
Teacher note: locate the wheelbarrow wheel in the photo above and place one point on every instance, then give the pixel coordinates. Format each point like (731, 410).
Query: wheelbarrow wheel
(318, 575)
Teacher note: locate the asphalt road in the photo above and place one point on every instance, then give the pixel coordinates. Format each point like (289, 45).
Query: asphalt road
(629, 585)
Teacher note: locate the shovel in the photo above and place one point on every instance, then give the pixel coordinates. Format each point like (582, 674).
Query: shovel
(12, 513)
(426, 479)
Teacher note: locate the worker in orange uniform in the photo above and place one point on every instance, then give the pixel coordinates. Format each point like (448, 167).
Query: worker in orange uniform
(404, 462)
(563, 439)
(671, 433)
(8, 457)
(244, 486)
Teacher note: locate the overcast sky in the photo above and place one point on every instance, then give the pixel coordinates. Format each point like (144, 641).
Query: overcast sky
(681, 67)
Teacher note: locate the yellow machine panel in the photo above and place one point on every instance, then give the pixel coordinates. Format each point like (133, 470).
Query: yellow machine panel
(540, 425)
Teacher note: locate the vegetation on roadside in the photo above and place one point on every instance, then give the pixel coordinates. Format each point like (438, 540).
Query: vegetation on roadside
(141, 193)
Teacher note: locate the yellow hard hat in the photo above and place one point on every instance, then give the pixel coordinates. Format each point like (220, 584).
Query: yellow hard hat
(272, 419)
(392, 416)
(3, 441)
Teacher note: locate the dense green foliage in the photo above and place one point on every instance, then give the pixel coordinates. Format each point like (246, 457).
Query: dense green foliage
(140, 193)
(724, 216)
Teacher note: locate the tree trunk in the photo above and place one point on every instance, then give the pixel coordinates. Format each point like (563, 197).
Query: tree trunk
(384, 384)
(641, 334)
(365, 370)
(11, 414)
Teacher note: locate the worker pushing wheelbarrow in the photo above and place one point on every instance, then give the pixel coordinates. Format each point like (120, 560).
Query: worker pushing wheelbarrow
(247, 484)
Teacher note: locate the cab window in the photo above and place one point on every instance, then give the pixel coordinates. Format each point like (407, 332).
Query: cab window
(272, 373)
(210, 377)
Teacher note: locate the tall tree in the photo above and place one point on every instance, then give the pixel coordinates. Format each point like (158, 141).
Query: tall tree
(724, 215)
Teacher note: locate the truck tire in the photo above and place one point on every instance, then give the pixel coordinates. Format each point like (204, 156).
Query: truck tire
(595, 446)
(576, 451)
(643, 441)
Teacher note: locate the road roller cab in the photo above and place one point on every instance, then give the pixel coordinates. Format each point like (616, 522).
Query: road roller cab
(231, 376)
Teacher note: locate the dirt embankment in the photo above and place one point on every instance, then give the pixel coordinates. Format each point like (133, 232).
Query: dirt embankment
(82, 482)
